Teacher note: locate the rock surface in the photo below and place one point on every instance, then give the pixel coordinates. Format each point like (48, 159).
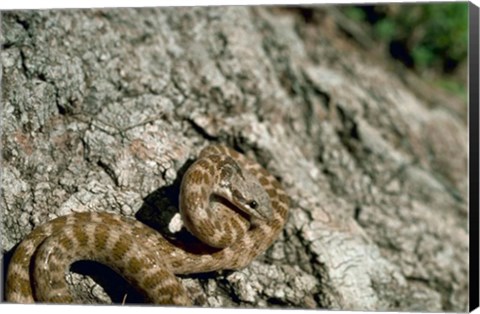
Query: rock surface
(103, 108)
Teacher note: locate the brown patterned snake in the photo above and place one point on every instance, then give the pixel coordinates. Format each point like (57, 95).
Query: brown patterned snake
(226, 200)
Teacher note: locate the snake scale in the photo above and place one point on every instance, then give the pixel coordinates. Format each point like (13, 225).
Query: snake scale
(227, 201)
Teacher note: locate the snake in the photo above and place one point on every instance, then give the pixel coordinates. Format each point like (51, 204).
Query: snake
(229, 202)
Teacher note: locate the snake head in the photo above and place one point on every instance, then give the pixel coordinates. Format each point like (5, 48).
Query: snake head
(244, 191)
(253, 201)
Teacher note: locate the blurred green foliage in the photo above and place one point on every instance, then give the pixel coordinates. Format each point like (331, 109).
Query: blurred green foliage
(423, 36)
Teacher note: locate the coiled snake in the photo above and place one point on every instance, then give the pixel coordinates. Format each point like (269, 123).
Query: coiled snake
(227, 201)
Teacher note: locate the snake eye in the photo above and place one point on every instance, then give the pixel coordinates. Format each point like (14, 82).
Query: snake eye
(253, 204)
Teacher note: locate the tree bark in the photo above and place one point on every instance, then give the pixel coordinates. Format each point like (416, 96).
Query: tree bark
(102, 110)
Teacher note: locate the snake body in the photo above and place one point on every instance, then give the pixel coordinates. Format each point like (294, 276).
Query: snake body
(228, 201)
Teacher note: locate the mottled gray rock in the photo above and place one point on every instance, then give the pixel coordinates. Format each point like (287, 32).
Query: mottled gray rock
(104, 109)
